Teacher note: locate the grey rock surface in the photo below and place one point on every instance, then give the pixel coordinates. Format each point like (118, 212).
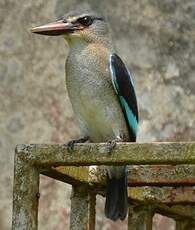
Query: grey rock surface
(155, 38)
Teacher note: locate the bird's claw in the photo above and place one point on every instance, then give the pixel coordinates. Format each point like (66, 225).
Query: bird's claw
(70, 144)
(111, 146)
(112, 143)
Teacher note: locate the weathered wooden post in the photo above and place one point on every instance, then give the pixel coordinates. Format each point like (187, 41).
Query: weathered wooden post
(140, 217)
(26, 194)
(82, 214)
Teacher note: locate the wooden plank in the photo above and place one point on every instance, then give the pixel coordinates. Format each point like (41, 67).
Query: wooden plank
(69, 174)
(164, 195)
(99, 154)
(176, 211)
(161, 175)
(139, 175)
(25, 196)
(32, 158)
(82, 208)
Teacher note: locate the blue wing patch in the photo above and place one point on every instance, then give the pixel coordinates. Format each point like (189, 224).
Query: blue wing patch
(124, 88)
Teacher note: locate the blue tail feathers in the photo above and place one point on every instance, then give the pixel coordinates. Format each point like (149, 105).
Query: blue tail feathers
(116, 197)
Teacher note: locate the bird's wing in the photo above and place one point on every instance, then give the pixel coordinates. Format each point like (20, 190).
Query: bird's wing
(124, 88)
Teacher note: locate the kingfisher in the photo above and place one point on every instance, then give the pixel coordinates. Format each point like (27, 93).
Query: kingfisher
(101, 91)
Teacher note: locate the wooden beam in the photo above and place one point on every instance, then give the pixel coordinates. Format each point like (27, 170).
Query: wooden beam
(140, 217)
(99, 154)
(177, 212)
(83, 203)
(138, 175)
(170, 175)
(164, 195)
(25, 196)
(30, 160)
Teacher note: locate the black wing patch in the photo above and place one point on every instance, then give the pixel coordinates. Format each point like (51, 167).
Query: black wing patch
(124, 88)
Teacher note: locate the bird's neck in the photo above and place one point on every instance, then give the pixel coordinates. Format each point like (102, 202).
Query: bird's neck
(92, 55)
(77, 46)
(78, 42)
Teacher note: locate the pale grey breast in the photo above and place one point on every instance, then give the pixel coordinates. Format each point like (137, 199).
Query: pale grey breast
(92, 96)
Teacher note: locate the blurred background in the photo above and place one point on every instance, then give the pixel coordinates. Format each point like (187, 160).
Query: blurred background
(155, 38)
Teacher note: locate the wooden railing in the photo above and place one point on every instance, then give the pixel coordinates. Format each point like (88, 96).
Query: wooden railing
(161, 180)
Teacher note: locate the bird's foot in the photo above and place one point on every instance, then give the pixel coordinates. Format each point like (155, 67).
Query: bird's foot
(70, 144)
(112, 144)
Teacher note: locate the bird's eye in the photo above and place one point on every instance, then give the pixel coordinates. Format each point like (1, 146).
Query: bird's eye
(85, 21)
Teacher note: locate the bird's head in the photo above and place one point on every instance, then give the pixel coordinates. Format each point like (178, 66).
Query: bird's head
(84, 26)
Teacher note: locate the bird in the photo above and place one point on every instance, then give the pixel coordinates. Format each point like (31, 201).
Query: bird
(101, 91)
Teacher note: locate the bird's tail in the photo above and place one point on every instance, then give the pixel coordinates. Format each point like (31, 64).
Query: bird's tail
(116, 197)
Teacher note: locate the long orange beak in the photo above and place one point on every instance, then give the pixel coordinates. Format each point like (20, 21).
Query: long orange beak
(55, 28)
